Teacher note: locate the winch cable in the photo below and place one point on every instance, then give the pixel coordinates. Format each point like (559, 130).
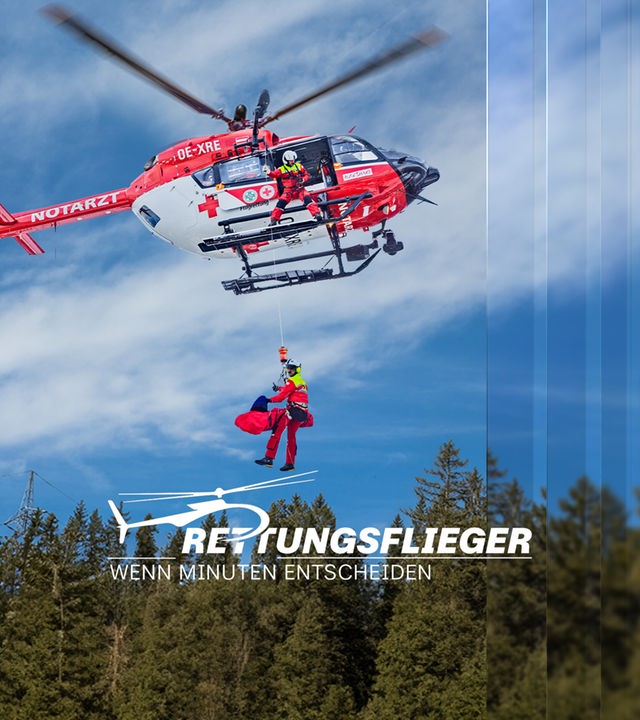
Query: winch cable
(282, 349)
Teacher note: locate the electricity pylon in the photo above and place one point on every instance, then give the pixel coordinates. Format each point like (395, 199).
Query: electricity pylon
(19, 521)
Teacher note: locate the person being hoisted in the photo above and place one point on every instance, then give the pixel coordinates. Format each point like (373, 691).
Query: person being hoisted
(296, 393)
(293, 176)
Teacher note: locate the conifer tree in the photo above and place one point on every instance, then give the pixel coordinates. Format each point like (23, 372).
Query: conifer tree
(526, 697)
(431, 664)
(516, 605)
(349, 604)
(146, 550)
(307, 667)
(387, 591)
(573, 631)
(620, 602)
(117, 603)
(442, 493)
(52, 651)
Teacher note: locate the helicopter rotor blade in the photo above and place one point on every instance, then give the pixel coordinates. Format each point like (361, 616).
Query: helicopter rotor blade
(166, 496)
(262, 104)
(274, 482)
(71, 22)
(258, 114)
(429, 38)
(186, 495)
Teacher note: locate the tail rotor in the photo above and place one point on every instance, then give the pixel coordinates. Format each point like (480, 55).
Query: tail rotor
(122, 523)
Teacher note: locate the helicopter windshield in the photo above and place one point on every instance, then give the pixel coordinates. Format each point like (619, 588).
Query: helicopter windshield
(348, 149)
(241, 170)
(232, 172)
(205, 178)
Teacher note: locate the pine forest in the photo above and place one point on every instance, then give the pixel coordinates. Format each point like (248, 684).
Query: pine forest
(557, 636)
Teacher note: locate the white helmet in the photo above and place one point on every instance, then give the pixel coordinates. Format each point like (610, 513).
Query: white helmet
(289, 157)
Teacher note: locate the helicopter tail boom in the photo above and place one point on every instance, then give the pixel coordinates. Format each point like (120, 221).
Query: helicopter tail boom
(21, 224)
(22, 238)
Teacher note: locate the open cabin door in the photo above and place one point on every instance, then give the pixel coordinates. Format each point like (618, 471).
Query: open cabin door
(315, 155)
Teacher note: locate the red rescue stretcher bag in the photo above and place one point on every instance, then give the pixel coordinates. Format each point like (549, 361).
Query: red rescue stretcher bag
(254, 422)
(259, 421)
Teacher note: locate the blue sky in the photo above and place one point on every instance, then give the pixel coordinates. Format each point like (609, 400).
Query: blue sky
(124, 363)
(563, 90)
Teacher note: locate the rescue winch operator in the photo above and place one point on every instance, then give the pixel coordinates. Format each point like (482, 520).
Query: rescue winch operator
(293, 176)
(296, 393)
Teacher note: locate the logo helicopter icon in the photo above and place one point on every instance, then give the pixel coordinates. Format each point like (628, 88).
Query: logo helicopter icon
(205, 507)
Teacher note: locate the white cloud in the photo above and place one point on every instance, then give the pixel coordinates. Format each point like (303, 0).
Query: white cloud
(99, 350)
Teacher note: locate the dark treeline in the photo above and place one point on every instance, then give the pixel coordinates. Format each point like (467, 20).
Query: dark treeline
(556, 636)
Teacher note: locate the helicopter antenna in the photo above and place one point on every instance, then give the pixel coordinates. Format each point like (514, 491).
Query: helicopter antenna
(421, 199)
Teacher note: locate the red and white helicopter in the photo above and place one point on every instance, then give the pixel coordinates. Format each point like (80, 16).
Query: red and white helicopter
(211, 196)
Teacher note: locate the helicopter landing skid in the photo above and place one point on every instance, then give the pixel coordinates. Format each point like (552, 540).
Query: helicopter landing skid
(256, 283)
(251, 282)
(269, 233)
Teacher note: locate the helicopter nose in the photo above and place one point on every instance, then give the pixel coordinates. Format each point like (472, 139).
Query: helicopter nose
(415, 174)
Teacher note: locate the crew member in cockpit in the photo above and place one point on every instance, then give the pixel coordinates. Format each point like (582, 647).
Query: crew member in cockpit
(239, 121)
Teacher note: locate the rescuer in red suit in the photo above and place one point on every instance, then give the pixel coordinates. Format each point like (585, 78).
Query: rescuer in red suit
(295, 392)
(293, 176)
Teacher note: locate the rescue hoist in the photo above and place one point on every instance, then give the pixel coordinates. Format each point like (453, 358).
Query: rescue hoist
(283, 352)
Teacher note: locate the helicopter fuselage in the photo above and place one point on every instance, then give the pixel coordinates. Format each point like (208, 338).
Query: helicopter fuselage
(207, 189)
(214, 196)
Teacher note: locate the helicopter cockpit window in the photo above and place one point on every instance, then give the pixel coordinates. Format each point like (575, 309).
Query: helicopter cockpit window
(348, 149)
(242, 170)
(205, 178)
(150, 163)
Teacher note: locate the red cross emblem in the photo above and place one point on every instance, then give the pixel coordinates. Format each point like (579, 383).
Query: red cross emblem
(210, 205)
